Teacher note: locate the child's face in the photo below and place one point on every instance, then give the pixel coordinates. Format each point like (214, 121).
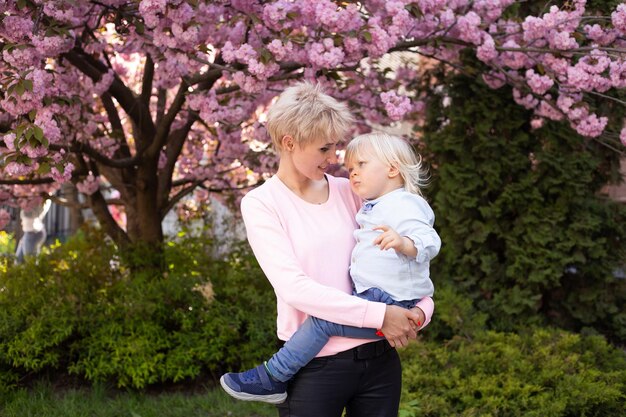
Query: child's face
(370, 177)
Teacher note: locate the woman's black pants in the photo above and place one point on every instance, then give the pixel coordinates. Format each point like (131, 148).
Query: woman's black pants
(366, 381)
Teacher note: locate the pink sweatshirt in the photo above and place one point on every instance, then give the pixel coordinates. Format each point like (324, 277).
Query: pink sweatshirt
(304, 250)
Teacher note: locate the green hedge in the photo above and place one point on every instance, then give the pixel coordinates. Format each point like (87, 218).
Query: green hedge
(527, 235)
(78, 309)
(538, 373)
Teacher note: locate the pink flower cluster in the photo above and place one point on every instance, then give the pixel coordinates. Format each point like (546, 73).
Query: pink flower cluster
(231, 58)
(396, 106)
(5, 218)
(89, 185)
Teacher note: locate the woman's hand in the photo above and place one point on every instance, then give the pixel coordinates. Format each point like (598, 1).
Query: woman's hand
(422, 316)
(400, 325)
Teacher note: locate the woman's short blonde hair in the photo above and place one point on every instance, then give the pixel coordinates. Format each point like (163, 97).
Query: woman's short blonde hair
(393, 151)
(306, 113)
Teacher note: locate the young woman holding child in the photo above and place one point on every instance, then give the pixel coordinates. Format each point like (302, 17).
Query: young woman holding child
(300, 225)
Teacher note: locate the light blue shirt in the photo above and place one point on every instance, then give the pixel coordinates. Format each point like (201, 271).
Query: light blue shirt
(402, 277)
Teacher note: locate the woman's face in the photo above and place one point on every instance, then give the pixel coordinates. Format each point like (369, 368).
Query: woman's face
(313, 158)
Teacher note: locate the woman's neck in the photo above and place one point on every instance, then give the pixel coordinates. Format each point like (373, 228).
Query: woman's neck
(311, 191)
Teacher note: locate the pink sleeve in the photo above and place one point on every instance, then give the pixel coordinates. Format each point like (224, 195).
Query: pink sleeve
(428, 307)
(275, 254)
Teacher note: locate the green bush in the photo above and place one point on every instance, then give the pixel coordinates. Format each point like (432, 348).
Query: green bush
(7, 243)
(539, 373)
(527, 235)
(79, 309)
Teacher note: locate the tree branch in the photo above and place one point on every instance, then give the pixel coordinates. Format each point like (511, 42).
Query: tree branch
(174, 147)
(79, 147)
(146, 86)
(139, 114)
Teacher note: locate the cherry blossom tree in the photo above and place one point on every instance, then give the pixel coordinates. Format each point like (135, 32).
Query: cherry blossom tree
(165, 99)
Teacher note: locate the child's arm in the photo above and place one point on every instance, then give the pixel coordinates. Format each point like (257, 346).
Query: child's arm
(390, 239)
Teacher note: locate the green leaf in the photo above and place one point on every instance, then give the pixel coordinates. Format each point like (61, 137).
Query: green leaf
(266, 56)
(44, 168)
(38, 132)
(28, 85)
(367, 36)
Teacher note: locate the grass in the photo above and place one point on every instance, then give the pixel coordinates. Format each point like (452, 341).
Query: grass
(45, 401)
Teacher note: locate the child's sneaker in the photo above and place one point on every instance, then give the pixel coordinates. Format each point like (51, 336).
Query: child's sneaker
(254, 385)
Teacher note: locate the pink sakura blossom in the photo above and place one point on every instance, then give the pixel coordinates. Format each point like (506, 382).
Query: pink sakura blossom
(151, 9)
(9, 141)
(617, 73)
(512, 59)
(34, 152)
(330, 16)
(275, 14)
(52, 45)
(622, 135)
(494, 80)
(487, 51)
(15, 169)
(381, 41)
(618, 18)
(16, 28)
(579, 78)
(249, 84)
(527, 101)
(562, 40)
(5, 218)
(468, 28)
(104, 83)
(262, 71)
(231, 58)
(591, 126)
(540, 84)
(536, 123)
(396, 106)
(279, 49)
(546, 110)
(534, 29)
(62, 177)
(597, 34)
(325, 54)
(89, 185)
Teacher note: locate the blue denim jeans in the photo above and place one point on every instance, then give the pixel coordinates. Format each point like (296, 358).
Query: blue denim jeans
(314, 333)
(29, 245)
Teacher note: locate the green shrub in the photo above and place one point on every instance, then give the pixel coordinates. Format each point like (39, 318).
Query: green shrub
(79, 309)
(7, 243)
(527, 235)
(540, 373)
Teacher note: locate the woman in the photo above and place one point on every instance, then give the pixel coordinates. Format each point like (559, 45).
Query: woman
(300, 226)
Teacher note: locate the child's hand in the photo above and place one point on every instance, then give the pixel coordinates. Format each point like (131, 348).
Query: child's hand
(390, 239)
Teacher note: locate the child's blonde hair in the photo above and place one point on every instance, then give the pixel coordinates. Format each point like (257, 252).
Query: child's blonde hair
(306, 113)
(393, 151)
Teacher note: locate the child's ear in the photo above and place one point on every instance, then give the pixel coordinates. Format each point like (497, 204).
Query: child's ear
(393, 171)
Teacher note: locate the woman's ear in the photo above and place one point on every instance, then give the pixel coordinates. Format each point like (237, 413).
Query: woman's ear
(393, 171)
(287, 142)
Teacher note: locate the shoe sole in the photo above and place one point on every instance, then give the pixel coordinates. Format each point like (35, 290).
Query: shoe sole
(244, 396)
